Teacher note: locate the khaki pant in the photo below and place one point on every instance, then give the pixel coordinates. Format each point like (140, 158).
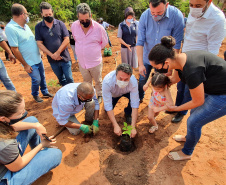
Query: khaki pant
(89, 107)
(93, 73)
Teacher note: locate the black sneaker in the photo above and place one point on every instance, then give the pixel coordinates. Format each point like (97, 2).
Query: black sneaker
(177, 118)
(48, 95)
(99, 99)
(38, 99)
(128, 119)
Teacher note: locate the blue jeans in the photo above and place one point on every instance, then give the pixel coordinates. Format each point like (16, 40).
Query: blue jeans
(63, 72)
(143, 80)
(44, 160)
(38, 79)
(128, 109)
(4, 77)
(109, 42)
(183, 95)
(213, 108)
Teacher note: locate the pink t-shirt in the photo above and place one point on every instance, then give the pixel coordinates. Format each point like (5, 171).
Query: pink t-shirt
(88, 46)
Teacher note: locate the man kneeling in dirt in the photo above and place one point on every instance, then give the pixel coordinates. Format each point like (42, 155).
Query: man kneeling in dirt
(70, 100)
(117, 84)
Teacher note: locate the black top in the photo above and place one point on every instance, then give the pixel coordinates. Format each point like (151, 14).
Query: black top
(128, 34)
(207, 68)
(72, 41)
(53, 38)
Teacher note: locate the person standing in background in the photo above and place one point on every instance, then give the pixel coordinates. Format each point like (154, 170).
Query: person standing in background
(127, 36)
(53, 38)
(90, 37)
(205, 30)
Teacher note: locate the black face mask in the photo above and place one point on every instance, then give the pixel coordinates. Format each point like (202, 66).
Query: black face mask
(162, 70)
(48, 19)
(2, 27)
(13, 121)
(83, 101)
(85, 24)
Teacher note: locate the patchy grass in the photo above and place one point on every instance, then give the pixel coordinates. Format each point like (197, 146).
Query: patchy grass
(53, 83)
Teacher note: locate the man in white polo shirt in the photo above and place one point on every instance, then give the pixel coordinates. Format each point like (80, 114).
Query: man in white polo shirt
(117, 84)
(205, 30)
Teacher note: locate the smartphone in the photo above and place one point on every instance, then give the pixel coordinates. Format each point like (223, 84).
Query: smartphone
(45, 136)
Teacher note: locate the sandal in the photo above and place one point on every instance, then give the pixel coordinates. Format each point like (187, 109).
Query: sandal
(179, 138)
(176, 157)
(153, 129)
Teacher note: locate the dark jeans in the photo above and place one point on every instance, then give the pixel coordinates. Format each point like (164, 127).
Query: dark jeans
(183, 95)
(6, 54)
(128, 109)
(143, 80)
(63, 72)
(109, 42)
(225, 55)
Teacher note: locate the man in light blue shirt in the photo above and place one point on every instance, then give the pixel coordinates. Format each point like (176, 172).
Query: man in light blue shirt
(23, 44)
(117, 84)
(159, 20)
(71, 99)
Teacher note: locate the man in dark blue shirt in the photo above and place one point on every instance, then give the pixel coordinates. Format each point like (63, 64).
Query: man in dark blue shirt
(52, 38)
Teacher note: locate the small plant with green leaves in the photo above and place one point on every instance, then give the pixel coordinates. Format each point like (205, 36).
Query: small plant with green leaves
(53, 83)
(127, 129)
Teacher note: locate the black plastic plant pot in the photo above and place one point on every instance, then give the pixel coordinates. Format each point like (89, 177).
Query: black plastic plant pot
(126, 143)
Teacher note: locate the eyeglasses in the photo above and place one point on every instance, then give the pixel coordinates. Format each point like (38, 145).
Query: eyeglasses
(27, 14)
(51, 33)
(83, 99)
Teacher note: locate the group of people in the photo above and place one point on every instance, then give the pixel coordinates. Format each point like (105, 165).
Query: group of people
(155, 43)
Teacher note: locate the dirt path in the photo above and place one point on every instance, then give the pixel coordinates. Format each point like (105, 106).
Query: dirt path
(98, 162)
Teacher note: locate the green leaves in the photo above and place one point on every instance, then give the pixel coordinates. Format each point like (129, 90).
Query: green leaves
(127, 129)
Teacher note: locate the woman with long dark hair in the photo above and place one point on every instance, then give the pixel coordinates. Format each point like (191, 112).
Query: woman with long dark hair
(205, 75)
(15, 166)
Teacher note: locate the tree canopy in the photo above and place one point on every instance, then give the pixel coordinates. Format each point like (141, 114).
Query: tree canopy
(112, 11)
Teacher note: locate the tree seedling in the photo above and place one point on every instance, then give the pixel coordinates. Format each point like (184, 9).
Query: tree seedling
(127, 129)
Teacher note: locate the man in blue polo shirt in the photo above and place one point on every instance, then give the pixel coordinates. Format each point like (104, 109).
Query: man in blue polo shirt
(22, 42)
(159, 20)
(52, 38)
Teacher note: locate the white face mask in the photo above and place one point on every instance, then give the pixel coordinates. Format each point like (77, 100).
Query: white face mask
(122, 84)
(196, 12)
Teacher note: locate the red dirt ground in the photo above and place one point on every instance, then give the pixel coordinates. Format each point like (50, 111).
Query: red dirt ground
(98, 162)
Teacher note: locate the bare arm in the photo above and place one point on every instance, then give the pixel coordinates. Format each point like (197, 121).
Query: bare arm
(62, 47)
(19, 57)
(96, 114)
(117, 129)
(7, 49)
(142, 69)
(134, 120)
(21, 162)
(43, 48)
(122, 42)
(198, 98)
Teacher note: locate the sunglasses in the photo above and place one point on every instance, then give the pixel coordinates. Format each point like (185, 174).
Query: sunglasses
(51, 33)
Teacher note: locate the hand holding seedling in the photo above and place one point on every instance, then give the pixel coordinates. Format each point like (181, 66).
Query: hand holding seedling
(40, 129)
(117, 130)
(131, 131)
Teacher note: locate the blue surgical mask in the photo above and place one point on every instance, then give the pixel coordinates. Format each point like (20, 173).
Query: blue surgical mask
(27, 20)
(129, 20)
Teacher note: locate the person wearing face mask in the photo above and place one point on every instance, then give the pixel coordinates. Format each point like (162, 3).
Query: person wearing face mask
(53, 38)
(205, 30)
(159, 20)
(205, 75)
(127, 36)
(90, 38)
(106, 27)
(117, 84)
(23, 44)
(70, 100)
(17, 167)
